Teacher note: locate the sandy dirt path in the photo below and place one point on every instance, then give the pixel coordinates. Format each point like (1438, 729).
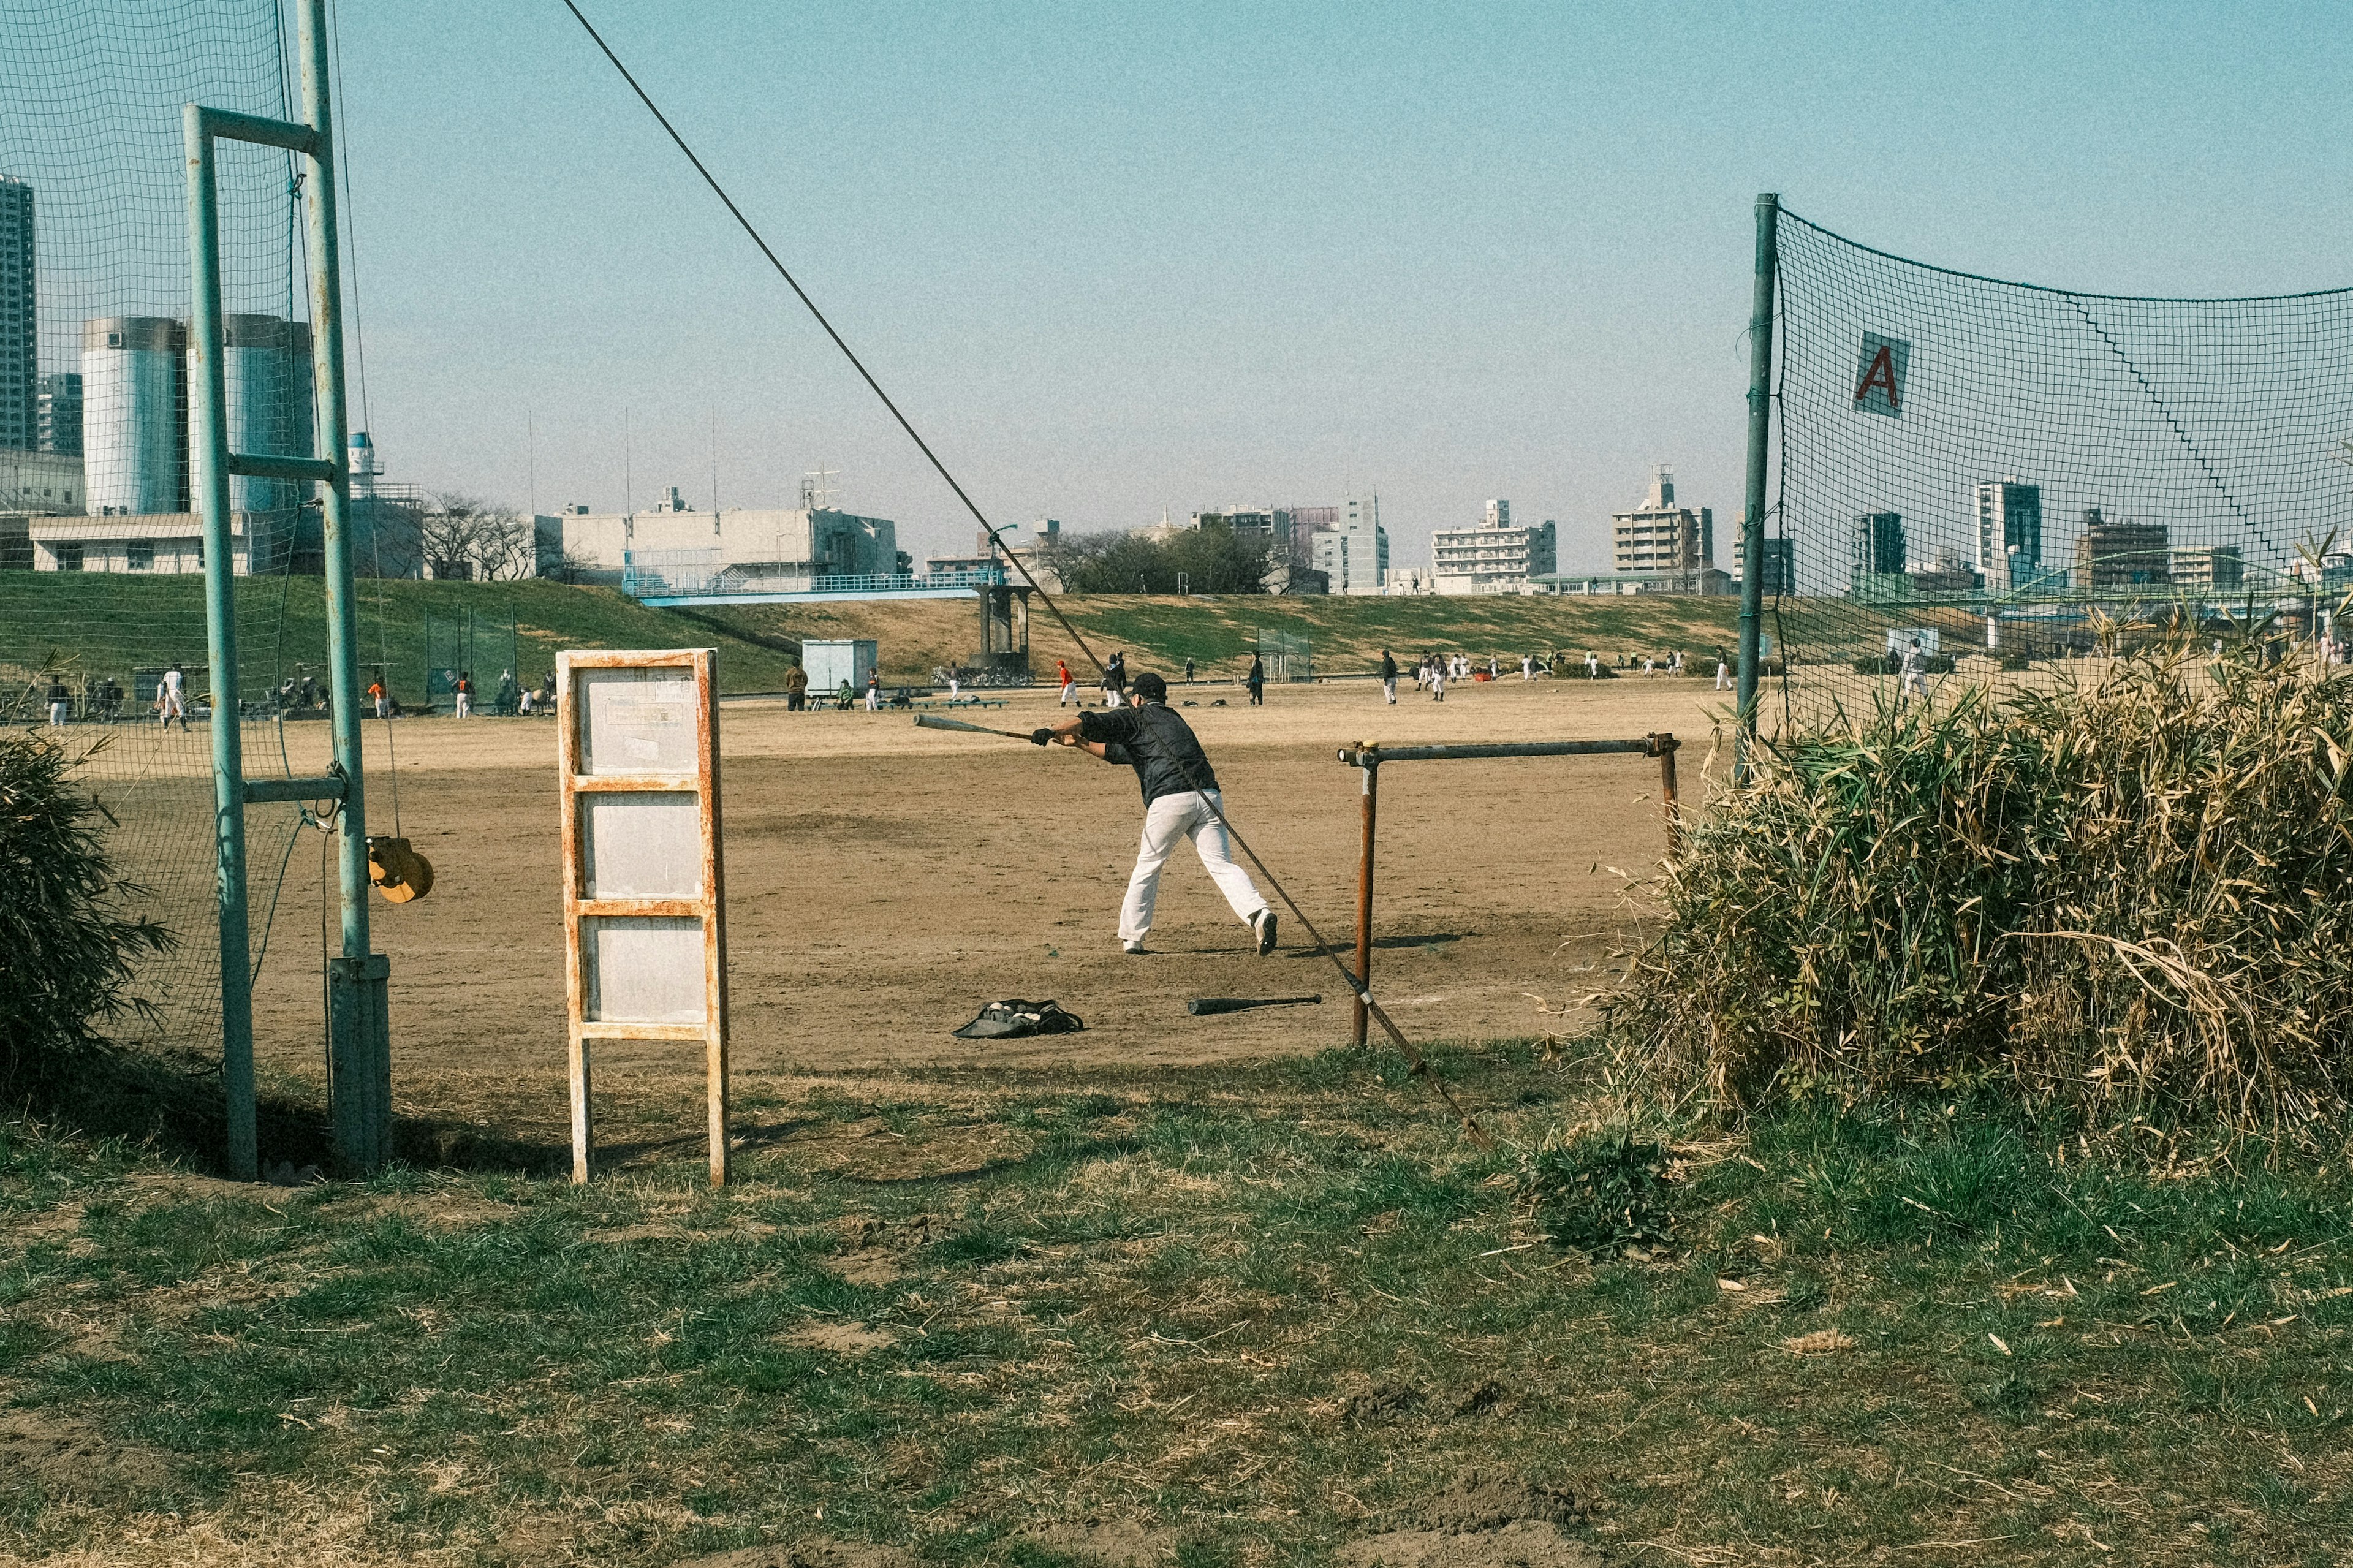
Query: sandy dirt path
(884, 881)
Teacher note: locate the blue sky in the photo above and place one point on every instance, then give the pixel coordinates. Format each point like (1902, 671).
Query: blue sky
(1114, 259)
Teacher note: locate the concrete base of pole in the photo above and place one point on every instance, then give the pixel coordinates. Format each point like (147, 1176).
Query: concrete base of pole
(359, 1062)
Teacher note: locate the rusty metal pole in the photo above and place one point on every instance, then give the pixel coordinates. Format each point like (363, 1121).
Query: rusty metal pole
(1666, 746)
(1370, 766)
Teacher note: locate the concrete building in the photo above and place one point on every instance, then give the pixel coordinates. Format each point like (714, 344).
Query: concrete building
(39, 481)
(134, 377)
(2207, 569)
(2113, 555)
(266, 374)
(156, 543)
(739, 550)
(1781, 559)
(19, 319)
(1033, 547)
(1497, 557)
(1947, 573)
(2008, 513)
(1352, 553)
(1660, 536)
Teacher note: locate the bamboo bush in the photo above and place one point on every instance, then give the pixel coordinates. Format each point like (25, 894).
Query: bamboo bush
(67, 947)
(2126, 896)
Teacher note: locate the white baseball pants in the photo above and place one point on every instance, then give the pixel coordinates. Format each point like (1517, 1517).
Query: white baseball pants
(1167, 821)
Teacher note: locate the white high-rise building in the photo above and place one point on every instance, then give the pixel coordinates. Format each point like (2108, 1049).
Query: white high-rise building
(135, 381)
(1354, 553)
(2009, 514)
(20, 369)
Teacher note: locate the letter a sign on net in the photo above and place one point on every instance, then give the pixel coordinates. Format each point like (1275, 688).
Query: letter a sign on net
(1879, 375)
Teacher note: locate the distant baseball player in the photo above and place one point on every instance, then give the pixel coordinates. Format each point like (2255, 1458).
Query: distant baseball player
(1723, 671)
(1438, 682)
(466, 694)
(1915, 670)
(1069, 687)
(60, 702)
(1255, 681)
(1592, 664)
(874, 691)
(1181, 800)
(1389, 678)
(171, 697)
(375, 693)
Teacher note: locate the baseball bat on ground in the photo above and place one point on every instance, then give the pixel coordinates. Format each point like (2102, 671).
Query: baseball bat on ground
(1203, 1006)
(930, 721)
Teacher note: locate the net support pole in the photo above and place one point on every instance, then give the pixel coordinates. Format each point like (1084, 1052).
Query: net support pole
(208, 452)
(1752, 521)
(1371, 769)
(359, 1039)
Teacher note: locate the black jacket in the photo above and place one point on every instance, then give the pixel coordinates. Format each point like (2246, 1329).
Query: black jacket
(1155, 743)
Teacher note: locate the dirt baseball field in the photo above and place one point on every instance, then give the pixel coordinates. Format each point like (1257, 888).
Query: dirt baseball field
(884, 881)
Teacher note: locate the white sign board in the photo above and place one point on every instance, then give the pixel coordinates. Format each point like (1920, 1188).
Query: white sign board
(645, 952)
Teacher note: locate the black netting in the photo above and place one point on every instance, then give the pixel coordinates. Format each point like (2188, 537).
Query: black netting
(101, 590)
(2013, 475)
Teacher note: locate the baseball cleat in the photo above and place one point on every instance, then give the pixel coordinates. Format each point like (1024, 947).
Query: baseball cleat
(1133, 949)
(1264, 925)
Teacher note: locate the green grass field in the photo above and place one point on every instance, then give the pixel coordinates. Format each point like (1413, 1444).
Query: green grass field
(1254, 1312)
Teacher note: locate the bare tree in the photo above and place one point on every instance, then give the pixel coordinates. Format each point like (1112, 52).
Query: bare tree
(464, 537)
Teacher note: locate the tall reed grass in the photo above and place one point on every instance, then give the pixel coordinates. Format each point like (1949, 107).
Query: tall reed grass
(2126, 896)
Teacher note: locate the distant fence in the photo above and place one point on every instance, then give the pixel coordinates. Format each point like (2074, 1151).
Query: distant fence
(654, 577)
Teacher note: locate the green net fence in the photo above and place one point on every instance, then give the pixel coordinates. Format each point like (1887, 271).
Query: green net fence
(99, 543)
(1985, 479)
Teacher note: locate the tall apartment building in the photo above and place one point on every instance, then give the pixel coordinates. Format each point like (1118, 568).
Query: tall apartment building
(19, 350)
(1353, 551)
(1780, 557)
(1660, 536)
(1878, 544)
(2009, 514)
(1497, 557)
(2111, 555)
(2208, 568)
(57, 413)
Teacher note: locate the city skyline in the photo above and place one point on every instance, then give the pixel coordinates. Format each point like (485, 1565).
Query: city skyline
(1447, 296)
(1471, 273)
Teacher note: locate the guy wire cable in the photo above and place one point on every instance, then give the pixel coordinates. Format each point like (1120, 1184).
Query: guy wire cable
(1417, 1063)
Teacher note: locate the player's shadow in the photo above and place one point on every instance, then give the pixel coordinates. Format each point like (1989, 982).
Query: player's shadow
(1393, 943)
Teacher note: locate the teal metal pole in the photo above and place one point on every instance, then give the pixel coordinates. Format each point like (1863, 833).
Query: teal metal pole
(208, 451)
(359, 1041)
(1760, 431)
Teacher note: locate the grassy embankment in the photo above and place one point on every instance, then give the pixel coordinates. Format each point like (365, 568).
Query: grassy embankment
(1256, 1311)
(111, 622)
(1346, 635)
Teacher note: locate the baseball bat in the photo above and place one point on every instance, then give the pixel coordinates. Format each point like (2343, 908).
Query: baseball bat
(1204, 1006)
(928, 721)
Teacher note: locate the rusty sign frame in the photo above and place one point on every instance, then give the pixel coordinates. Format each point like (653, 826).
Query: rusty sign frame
(706, 905)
